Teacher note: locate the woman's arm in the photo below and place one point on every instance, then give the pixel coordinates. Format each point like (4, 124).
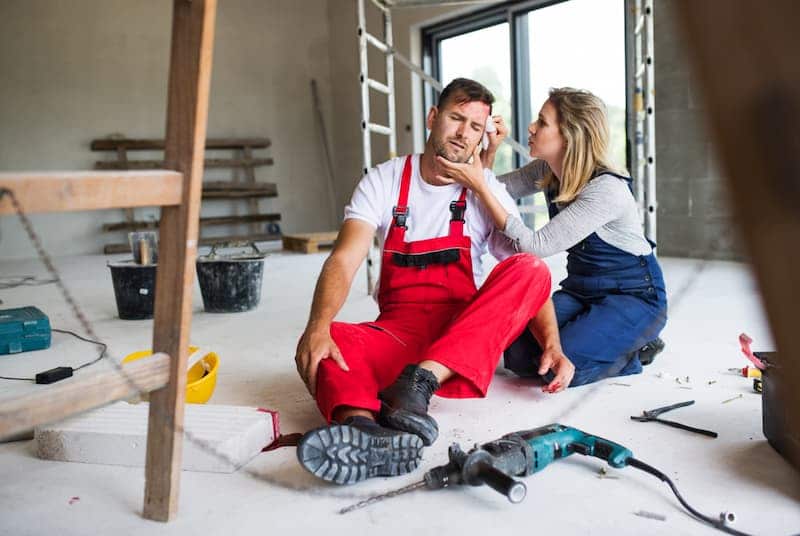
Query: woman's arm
(601, 201)
(524, 181)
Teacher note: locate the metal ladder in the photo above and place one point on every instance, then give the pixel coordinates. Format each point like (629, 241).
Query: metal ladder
(644, 109)
(367, 126)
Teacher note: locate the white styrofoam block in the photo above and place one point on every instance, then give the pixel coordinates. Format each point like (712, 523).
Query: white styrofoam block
(218, 439)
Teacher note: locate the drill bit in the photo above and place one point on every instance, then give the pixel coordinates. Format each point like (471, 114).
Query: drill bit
(377, 498)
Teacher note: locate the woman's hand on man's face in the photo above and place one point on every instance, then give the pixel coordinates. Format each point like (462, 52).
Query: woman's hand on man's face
(469, 175)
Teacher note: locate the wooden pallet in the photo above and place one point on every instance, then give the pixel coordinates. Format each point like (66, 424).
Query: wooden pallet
(309, 242)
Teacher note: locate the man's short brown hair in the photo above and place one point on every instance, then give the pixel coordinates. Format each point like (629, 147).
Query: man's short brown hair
(462, 90)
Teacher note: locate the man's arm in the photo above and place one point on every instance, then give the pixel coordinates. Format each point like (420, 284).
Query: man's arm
(333, 285)
(544, 327)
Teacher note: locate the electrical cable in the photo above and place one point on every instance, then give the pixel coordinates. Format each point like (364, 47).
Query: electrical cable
(716, 523)
(88, 363)
(14, 281)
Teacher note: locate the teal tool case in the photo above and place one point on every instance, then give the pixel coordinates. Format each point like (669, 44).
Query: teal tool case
(23, 329)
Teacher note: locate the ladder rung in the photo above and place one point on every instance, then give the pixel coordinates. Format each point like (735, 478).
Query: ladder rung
(640, 70)
(380, 5)
(374, 84)
(377, 43)
(380, 129)
(639, 25)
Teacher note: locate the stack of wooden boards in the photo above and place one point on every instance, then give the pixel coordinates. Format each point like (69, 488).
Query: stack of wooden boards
(242, 187)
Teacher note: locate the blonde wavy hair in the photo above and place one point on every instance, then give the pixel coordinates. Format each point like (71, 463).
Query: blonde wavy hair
(583, 122)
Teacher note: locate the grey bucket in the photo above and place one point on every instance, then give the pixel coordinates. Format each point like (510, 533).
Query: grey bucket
(230, 283)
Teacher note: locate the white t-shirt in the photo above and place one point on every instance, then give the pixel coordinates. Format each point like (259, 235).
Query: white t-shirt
(429, 209)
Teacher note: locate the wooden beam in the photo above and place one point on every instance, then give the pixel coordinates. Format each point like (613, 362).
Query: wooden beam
(204, 222)
(61, 191)
(111, 249)
(85, 391)
(187, 114)
(154, 145)
(211, 163)
(745, 58)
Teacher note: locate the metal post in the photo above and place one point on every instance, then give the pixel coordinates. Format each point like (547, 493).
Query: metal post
(363, 77)
(387, 35)
(649, 101)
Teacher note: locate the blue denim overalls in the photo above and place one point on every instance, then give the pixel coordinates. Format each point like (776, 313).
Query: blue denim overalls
(611, 304)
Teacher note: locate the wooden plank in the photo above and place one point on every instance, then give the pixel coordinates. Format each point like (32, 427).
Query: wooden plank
(154, 145)
(82, 392)
(61, 191)
(204, 222)
(187, 115)
(234, 190)
(230, 185)
(215, 163)
(112, 249)
(309, 242)
(745, 58)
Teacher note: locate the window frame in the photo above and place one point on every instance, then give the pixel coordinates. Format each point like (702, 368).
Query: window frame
(515, 14)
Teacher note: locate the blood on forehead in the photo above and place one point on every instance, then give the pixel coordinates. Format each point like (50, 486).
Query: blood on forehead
(473, 110)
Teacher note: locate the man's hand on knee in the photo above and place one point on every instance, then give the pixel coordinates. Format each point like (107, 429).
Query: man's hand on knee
(314, 346)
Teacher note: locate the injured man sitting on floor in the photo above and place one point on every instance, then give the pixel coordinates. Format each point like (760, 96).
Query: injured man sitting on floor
(436, 331)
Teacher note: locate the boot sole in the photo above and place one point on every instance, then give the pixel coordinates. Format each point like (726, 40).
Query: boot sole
(420, 425)
(343, 454)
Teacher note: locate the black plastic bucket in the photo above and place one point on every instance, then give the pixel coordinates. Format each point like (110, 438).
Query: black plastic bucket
(230, 283)
(134, 289)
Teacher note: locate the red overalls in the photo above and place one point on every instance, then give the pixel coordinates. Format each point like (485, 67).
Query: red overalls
(431, 310)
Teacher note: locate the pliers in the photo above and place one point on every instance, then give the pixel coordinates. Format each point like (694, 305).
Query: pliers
(652, 415)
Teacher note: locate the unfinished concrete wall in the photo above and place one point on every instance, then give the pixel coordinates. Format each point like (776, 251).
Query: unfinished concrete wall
(74, 71)
(694, 219)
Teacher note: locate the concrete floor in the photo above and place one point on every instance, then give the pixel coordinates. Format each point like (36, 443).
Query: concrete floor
(711, 304)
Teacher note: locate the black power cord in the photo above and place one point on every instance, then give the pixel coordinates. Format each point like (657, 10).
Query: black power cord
(718, 524)
(14, 281)
(64, 369)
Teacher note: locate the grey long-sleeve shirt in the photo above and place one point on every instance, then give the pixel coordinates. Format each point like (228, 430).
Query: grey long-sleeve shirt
(605, 206)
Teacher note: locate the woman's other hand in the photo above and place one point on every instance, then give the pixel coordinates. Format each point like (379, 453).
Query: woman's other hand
(554, 359)
(495, 140)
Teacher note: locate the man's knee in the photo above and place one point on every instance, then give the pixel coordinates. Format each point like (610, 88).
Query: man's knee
(526, 267)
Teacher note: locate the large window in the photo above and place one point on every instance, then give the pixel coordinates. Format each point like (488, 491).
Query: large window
(519, 50)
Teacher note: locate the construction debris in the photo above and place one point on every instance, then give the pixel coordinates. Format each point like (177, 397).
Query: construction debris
(650, 515)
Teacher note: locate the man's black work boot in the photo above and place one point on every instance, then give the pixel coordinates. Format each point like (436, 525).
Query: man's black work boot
(405, 403)
(358, 449)
(648, 352)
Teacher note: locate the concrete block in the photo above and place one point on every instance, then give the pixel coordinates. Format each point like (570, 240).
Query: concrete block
(218, 439)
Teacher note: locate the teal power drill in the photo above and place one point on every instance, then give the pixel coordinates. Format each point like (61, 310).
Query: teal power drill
(521, 454)
(496, 463)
